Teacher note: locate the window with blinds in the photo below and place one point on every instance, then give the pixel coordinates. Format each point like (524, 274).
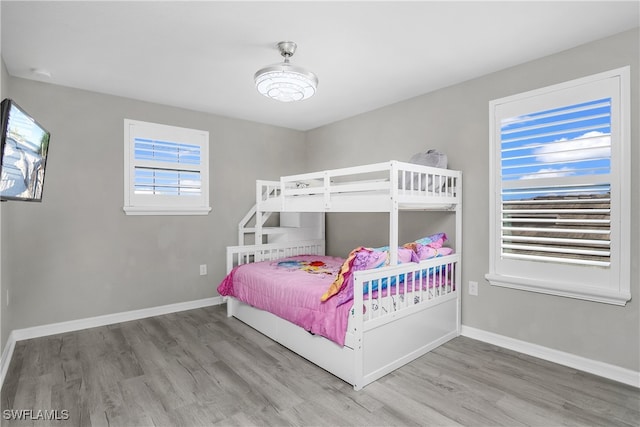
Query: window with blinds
(166, 169)
(560, 189)
(556, 195)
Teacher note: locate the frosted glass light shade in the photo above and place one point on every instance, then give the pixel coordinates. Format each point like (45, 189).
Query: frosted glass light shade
(285, 82)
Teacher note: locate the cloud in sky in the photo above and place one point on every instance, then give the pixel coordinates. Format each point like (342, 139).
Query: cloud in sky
(590, 145)
(510, 121)
(550, 173)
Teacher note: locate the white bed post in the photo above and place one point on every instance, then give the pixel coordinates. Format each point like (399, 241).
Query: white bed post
(283, 199)
(393, 215)
(358, 334)
(458, 249)
(393, 233)
(259, 196)
(327, 191)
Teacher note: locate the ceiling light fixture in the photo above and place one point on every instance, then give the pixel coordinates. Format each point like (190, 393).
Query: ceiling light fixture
(285, 82)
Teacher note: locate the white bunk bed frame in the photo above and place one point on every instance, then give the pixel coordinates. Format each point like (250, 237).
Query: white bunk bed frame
(377, 342)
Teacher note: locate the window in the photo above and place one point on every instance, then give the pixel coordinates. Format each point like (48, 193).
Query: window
(560, 189)
(166, 170)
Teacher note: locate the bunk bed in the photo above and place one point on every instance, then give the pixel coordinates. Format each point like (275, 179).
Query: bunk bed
(394, 313)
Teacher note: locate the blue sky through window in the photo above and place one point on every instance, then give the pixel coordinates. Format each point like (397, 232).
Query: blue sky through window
(573, 140)
(170, 177)
(166, 151)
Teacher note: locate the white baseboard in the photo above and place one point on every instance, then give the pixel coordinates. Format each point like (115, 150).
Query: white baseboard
(92, 322)
(612, 372)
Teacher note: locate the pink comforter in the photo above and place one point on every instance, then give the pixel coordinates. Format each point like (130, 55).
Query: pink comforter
(291, 288)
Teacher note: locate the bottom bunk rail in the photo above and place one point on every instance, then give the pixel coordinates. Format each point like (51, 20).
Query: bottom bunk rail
(394, 291)
(237, 255)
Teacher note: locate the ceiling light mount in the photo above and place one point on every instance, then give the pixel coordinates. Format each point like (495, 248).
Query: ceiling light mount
(287, 49)
(285, 82)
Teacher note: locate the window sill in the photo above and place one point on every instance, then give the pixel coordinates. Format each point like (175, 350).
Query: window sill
(162, 210)
(568, 290)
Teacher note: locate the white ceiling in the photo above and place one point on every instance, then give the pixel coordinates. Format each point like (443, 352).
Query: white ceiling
(202, 55)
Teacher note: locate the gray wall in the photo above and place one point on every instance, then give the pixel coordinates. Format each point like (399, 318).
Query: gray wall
(77, 255)
(456, 121)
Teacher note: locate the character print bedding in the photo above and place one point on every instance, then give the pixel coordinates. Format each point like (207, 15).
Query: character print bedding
(316, 292)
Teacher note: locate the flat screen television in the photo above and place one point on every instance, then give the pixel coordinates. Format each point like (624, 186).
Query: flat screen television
(24, 148)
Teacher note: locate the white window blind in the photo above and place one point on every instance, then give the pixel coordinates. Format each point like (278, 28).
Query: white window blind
(556, 195)
(560, 196)
(166, 169)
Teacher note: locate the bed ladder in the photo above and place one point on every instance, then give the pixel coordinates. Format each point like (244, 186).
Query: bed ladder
(287, 226)
(257, 230)
(290, 226)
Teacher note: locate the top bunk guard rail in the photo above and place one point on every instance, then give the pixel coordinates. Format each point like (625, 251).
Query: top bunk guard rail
(390, 187)
(266, 190)
(379, 187)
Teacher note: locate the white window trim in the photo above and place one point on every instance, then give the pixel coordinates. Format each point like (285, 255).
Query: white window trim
(618, 291)
(164, 205)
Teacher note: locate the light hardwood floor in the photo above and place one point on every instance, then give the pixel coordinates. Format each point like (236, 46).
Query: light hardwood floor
(200, 368)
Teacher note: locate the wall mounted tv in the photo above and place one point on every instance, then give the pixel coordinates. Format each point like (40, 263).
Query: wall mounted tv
(24, 148)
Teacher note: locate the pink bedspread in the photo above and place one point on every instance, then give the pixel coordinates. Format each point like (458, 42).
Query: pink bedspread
(291, 288)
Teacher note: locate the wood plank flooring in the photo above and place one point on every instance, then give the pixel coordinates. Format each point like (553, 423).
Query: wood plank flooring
(199, 368)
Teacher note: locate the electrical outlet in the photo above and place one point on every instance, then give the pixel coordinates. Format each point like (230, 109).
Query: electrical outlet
(203, 269)
(473, 288)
